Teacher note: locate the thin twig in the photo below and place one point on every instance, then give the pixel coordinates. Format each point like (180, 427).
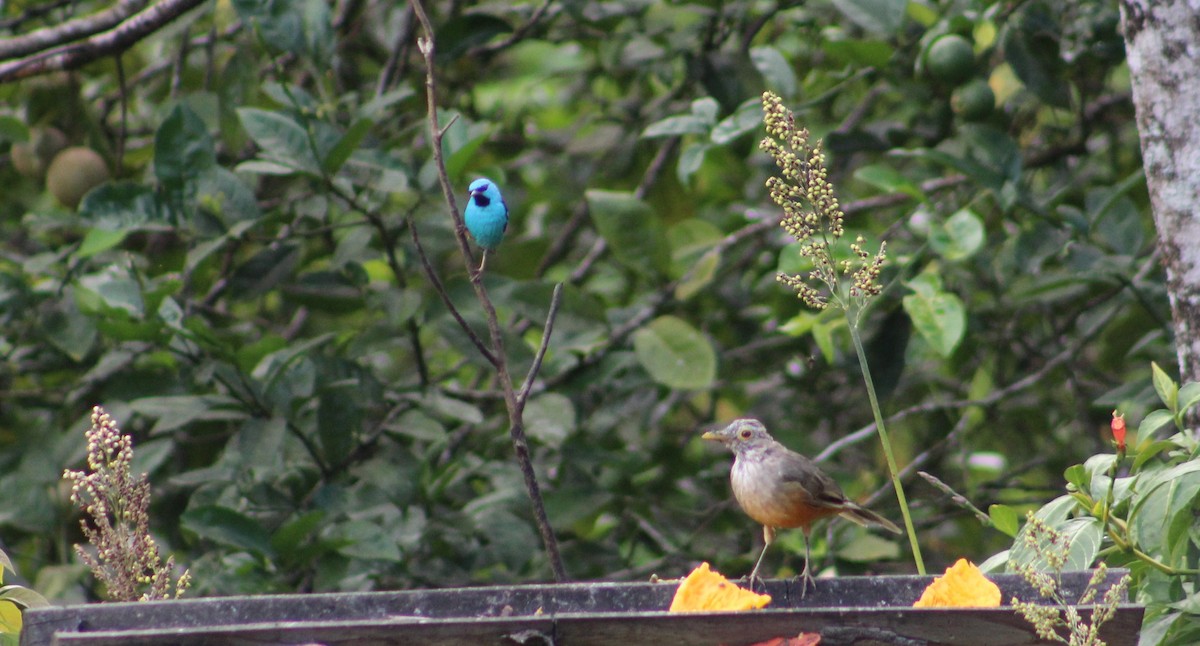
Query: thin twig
(513, 38)
(555, 301)
(441, 290)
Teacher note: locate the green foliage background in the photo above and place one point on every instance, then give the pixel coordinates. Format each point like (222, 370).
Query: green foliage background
(247, 299)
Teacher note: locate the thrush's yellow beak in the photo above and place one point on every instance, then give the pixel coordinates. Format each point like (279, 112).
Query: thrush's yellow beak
(711, 435)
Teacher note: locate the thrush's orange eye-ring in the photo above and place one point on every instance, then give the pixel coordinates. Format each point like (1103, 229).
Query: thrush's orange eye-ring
(745, 434)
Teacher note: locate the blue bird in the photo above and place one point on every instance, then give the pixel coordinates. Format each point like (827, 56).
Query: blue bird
(486, 216)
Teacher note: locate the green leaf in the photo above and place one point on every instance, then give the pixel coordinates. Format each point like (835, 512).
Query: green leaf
(691, 157)
(317, 20)
(1154, 422)
(1030, 43)
(633, 231)
(888, 180)
(775, 69)
(1167, 389)
(182, 148)
(747, 118)
(683, 124)
(280, 22)
(939, 316)
(1165, 496)
(68, 329)
(675, 354)
(124, 207)
(339, 419)
(281, 138)
(550, 418)
(1187, 397)
(880, 17)
(363, 539)
(23, 597)
(1004, 518)
(99, 240)
(346, 145)
(959, 238)
(228, 527)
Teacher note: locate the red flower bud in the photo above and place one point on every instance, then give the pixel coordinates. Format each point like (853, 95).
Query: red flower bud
(1118, 430)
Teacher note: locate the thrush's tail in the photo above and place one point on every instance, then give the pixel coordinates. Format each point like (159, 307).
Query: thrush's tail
(864, 517)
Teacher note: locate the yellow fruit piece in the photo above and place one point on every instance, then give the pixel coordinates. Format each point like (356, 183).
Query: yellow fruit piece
(705, 589)
(963, 586)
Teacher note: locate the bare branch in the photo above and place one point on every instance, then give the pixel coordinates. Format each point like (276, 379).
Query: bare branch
(555, 300)
(71, 30)
(113, 41)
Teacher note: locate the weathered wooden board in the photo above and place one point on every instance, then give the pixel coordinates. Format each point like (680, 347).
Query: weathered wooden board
(845, 611)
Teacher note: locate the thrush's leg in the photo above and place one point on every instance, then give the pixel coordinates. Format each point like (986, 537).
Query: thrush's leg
(806, 577)
(768, 538)
(482, 262)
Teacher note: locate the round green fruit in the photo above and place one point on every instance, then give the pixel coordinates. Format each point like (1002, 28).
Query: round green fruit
(73, 173)
(950, 59)
(973, 101)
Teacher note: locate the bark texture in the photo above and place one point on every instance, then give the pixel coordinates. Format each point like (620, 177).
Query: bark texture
(1162, 40)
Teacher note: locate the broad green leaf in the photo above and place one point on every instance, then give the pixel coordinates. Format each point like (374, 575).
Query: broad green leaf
(888, 180)
(346, 145)
(182, 148)
(775, 69)
(280, 22)
(363, 539)
(228, 527)
(10, 620)
(880, 17)
(747, 118)
(1165, 495)
(959, 238)
(281, 138)
(633, 230)
(124, 207)
(339, 419)
(451, 408)
(938, 316)
(1167, 389)
(1031, 45)
(23, 597)
(1004, 518)
(683, 124)
(675, 354)
(1187, 397)
(68, 329)
(691, 157)
(1154, 422)
(318, 31)
(550, 418)
(99, 240)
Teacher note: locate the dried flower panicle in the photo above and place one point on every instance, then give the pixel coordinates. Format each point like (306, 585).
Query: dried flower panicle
(812, 215)
(1052, 547)
(126, 558)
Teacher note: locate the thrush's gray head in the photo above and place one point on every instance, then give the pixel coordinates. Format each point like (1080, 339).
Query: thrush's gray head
(742, 436)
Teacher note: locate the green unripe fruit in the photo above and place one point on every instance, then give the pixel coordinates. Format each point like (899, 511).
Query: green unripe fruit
(950, 59)
(973, 101)
(73, 173)
(31, 158)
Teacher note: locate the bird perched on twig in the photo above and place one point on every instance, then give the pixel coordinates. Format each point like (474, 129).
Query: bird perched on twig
(486, 216)
(783, 489)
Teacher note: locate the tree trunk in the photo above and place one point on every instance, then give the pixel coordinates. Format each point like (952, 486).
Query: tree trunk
(1161, 41)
